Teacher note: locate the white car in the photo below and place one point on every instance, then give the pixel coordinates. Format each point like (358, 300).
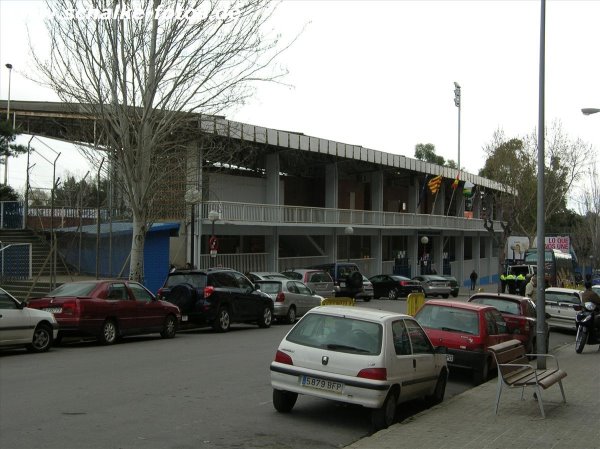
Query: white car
(369, 357)
(559, 304)
(22, 326)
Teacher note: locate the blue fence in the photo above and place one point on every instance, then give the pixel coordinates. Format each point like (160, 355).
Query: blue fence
(15, 261)
(11, 215)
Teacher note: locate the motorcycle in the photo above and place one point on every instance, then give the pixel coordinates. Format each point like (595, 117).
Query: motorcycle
(587, 331)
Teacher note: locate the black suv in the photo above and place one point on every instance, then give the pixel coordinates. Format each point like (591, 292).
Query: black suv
(217, 297)
(347, 278)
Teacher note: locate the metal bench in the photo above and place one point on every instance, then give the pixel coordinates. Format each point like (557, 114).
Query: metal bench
(514, 371)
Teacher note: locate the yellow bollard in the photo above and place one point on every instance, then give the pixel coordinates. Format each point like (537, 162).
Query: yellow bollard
(414, 302)
(339, 301)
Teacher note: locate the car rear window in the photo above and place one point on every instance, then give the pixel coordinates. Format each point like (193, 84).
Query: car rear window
(503, 306)
(337, 333)
(319, 277)
(75, 289)
(268, 287)
(196, 280)
(292, 275)
(449, 319)
(562, 297)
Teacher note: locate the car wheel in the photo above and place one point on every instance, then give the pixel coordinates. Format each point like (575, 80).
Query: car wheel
(454, 294)
(284, 401)
(169, 327)
(580, 339)
(482, 374)
(366, 299)
(291, 315)
(384, 416)
(266, 318)
(355, 280)
(445, 296)
(393, 294)
(223, 320)
(42, 339)
(108, 333)
(440, 389)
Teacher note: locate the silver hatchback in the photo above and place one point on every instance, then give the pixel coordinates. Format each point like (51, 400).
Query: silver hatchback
(434, 285)
(318, 281)
(291, 299)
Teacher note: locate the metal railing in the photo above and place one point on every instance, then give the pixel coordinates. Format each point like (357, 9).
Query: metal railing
(254, 213)
(11, 215)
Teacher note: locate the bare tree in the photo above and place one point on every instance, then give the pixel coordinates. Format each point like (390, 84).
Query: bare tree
(586, 238)
(146, 68)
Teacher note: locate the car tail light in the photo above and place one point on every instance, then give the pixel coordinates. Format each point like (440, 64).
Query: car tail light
(280, 297)
(373, 373)
(208, 290)
(70, 308)
(159, 293)
(403, 283)
(282, 357)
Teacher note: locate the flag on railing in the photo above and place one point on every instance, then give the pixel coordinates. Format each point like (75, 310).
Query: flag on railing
(456, 181)
(434, 184)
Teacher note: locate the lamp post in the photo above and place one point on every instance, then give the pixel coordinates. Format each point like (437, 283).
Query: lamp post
(457, 104)
(192, 197)
(348, 231)
(586, 111)
(213, 216)
(9, 67)
(424, 241)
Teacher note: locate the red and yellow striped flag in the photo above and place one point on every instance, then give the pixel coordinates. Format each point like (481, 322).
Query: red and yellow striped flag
(435, 183)
(456, 181)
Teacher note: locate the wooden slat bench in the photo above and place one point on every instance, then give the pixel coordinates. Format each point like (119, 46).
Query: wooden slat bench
(514, 371)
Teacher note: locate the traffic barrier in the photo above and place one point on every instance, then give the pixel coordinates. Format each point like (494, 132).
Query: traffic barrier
(414, 302)
(341, 301)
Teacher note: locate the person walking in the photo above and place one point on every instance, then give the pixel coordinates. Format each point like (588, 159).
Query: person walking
(531, 288)
(473, 280)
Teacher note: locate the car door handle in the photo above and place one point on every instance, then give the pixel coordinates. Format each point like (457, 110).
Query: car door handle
(414, 363)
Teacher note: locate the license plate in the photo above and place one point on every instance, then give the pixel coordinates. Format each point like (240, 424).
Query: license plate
(184, 317)
(322, 384)
(450, 357)
(53, 309)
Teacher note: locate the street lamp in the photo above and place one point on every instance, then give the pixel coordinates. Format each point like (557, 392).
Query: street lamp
(9, 67)
(586, 111)
(348, 231)
(457, 104)
(424, 241)
(213, 216)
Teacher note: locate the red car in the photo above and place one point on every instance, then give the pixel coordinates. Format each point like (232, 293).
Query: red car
(108, 309)
(466, 330)
(519, 313)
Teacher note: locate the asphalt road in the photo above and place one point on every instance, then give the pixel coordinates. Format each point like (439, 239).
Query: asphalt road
(200, 390)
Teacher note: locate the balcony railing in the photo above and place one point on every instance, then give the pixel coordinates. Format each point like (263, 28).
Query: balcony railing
(268, 214)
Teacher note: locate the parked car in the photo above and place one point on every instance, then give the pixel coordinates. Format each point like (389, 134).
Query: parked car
(291, 299)
(467, 330)
(22, 326)
(520, 315)
(394, 286)
(559, 304)
(373, 358)
(347, 278)
(318, 281)
(217, 297)
(455, 287)
(434, 285)
(368, 292)
(264, 275)
(108, 309)
(596, 288)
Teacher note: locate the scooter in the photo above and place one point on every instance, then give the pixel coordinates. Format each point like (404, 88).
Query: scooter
(587, 332)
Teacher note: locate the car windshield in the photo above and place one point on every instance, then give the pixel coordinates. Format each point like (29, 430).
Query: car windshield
(268, 287)
(570, 298)
(449, 319)
(503, 306)
(74, 289)
(338, 333)
(196, 280)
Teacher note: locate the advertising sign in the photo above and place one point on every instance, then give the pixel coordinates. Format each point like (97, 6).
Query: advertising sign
(516, 247)
(561, 243)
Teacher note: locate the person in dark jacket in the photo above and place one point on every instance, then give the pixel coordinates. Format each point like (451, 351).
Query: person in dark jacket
(473, 280)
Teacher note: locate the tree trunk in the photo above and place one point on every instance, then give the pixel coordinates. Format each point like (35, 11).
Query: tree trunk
(136, 267)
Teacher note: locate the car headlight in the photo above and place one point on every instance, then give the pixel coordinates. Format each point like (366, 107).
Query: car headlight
(590, 306)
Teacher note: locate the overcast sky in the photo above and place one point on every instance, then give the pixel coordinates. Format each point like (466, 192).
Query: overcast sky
(381, 74)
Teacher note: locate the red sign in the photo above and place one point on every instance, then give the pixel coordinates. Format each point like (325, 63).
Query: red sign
(561, 243)
(213, 243)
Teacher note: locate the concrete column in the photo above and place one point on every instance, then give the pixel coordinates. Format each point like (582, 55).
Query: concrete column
(272, 249)
(413, 194)
(331, 186)
(459, 201)
(491, 265)
(437, 252)
(272, 193)
(377, 252)
(476, 251)
(440, 201)
(413, 254)
(377, 191)
(460, 259)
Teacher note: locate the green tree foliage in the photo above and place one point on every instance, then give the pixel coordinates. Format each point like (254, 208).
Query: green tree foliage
(7, 137)
(7, 193)
(426, 152)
